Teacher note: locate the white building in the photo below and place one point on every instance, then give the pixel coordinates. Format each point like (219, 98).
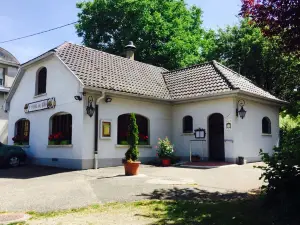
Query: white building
(8, 70)
(52, 92)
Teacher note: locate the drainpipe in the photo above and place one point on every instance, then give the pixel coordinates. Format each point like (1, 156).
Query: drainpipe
(96, 131)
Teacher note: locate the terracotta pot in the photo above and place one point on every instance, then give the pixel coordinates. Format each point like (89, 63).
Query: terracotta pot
(166, 162)
(195, 159)
(131, 168)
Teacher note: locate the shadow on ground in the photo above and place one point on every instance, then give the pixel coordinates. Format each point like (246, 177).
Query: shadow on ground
(193, 194)
(29, 171)
(195, 206)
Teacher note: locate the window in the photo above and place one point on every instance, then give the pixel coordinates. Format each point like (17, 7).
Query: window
(266, 125)
(41, 80)
(142, 122)
(61, 126)
(2, 75)
(22, 130)
(187, 124)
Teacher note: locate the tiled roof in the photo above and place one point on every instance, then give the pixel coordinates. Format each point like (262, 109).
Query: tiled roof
(102, 70)
(208, 78)
(195, 81)
(241, 82)
(6, 56)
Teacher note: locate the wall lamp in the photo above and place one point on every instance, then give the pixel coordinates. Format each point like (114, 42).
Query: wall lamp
(90, 109)
(78, 97)
(108, 99)
(240, 111)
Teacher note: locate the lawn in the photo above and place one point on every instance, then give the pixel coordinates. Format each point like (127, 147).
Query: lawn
(217, 209)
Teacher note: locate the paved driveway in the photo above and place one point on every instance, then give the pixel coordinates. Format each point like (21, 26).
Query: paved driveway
(42, 189)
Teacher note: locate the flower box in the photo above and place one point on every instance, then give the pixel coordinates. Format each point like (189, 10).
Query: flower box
(65, 142)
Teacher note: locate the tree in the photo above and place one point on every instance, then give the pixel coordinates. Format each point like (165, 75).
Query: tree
(276, 18)
(244, 49)
(132, 153)
(166, 32)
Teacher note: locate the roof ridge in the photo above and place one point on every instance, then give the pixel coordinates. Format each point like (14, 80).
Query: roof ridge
(188, 67)
(231, 86)
(117, 56)
(236, 73)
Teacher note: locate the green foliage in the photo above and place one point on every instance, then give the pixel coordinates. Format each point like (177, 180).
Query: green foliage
(282, 172)
(288, 122)
(132, 153)
(244, 49)
(165, 150)
(167, 33)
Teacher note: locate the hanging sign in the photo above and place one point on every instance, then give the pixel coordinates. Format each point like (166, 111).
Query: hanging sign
(49, 103)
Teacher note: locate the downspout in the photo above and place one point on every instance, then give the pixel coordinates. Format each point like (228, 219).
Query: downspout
(96, 130)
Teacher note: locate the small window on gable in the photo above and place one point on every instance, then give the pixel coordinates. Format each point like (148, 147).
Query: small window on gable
(187, 124)
(41, 81)
(266, 125)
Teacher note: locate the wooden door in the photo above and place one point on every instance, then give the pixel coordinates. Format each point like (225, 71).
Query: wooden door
(216, 137)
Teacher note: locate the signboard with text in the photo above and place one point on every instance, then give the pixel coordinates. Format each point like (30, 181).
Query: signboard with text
(49, 103)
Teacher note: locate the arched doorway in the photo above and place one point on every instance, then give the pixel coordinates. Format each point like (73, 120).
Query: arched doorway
(216, 137)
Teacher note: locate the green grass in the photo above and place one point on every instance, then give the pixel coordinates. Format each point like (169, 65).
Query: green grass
(247, 211)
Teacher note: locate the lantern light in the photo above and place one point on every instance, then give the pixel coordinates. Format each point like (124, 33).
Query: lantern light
(90, 109)
(241, 112)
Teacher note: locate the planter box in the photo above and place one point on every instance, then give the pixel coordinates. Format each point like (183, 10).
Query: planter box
(65, 142)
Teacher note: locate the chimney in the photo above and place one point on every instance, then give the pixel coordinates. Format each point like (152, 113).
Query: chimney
(130, 49)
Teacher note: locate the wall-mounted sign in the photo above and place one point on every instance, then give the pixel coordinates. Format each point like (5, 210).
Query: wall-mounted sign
(228, 125)
(49, 103)
(105, 129)
(200, 133)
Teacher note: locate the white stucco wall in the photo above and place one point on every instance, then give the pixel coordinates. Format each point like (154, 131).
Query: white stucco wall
(62, 85)
(159, 115)
(248, 135)
(200, 111)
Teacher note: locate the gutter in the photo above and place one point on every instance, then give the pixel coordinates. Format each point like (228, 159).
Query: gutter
(96, 130)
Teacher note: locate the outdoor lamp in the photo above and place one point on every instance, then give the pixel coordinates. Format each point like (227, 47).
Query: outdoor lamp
(241, 112)
(200, 133)
(108, 99)
(78, 97)
(90, 109)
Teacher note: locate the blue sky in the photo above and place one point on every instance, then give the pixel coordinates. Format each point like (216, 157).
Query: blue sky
(20, 18)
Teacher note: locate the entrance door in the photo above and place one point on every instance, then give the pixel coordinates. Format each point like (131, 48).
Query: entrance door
(216, 137)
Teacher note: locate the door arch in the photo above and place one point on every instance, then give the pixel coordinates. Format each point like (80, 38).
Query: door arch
(216, 137)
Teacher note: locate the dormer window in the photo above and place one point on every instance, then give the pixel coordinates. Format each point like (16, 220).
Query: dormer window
(41, 81)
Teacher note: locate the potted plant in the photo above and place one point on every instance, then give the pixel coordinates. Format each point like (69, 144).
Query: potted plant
(20, 140)
(143, 139)
(65, 142)
(195, 158)
(131, 165)
(17, 140)
(165, 151)
(56, 138)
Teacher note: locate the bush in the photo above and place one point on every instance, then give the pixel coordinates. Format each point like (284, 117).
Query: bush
(282, 172)
(132, 153)
(165, 150)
